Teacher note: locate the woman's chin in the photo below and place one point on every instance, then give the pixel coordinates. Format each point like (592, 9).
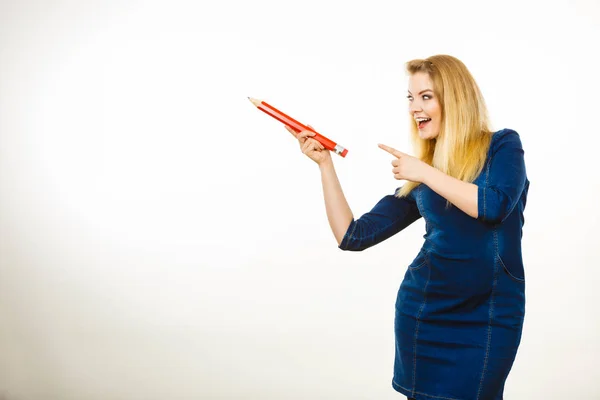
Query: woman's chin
(426, 135)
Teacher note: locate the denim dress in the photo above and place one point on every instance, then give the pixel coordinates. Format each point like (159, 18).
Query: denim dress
(461, 304)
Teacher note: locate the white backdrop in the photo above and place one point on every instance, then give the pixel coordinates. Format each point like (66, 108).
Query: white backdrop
(162, 238)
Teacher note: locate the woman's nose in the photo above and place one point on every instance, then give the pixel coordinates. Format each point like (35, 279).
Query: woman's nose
(414, 107)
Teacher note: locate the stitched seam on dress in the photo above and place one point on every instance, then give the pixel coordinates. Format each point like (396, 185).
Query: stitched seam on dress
(418, 266)
(414, 375)
(491, 312)
(487, 175)
(425, 254)
(353, 229)
(508, 272)
(419, 201)
(425, 394)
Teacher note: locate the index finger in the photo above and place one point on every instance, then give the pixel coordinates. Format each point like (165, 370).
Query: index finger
(391, 150)
(290, 130)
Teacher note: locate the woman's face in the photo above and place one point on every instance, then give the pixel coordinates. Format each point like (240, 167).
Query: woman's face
(424, 107)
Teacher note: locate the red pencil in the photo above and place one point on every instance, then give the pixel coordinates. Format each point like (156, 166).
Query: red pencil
(297, 126)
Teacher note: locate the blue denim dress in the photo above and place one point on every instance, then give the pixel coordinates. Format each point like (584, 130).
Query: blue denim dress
(460, 308)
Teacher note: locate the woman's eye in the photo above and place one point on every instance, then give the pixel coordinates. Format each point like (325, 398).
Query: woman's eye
(409, 98)
(426, 97)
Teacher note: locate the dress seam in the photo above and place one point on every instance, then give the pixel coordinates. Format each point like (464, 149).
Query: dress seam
(491, 318)
(487, 175)
(353, 230)
(414, 374)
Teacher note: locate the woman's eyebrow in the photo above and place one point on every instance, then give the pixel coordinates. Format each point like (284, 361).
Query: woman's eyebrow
(423, 91)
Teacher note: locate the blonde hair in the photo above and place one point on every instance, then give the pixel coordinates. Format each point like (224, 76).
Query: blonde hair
(461, 147)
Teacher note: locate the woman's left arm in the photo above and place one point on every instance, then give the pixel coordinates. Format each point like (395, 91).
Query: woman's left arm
(490, 201)
(462, 194)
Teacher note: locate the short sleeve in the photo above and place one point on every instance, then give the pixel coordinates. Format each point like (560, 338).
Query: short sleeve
(388, 217)
(505, 180)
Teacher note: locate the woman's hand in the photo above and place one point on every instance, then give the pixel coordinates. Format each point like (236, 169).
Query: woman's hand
(407, 167)
(312, 148)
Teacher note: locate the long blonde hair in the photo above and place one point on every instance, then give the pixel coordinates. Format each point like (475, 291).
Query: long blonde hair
(461, 147)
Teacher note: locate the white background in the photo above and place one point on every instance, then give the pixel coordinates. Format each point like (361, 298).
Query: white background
(161, 238)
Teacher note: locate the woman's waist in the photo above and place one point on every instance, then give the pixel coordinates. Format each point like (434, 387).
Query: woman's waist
(459, 247)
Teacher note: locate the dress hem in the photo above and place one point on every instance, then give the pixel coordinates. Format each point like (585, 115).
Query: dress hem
(418, 395)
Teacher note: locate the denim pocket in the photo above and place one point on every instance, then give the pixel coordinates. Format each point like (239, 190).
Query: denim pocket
(515, 273)
(419, 261)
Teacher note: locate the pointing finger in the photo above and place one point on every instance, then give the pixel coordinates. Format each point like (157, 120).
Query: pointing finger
(391, 150)
(292, 130)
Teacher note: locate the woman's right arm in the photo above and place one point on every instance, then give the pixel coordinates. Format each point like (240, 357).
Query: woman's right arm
(389, 216)
(339, 214)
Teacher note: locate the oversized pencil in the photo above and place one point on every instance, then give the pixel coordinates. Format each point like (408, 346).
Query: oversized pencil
(297, 126)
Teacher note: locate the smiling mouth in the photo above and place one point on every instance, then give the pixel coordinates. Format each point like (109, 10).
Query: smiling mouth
(422, 122)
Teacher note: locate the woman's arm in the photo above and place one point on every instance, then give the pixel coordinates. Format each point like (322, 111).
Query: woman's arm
(490, 201)
(339, 214)
(462, 194)
(336, 206)
(493, 199)
(389, 216)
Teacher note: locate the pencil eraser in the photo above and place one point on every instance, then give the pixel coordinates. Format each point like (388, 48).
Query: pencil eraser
(344, 153)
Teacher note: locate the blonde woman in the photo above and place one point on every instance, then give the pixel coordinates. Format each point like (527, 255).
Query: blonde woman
(461, 305)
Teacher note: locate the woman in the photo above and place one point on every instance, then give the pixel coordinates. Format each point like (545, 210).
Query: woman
(460, 308)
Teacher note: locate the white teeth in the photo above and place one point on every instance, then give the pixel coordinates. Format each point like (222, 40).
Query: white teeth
(421, 119)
